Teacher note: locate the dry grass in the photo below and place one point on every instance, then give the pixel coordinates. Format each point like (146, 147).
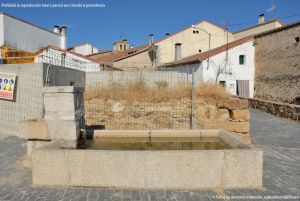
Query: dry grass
(138, 91)
(214, 91)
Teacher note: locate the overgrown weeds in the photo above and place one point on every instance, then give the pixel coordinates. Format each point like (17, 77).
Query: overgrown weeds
(139, 92)
(214, 91)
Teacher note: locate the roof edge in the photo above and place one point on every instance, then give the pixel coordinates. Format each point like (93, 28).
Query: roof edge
(135, 53)
(287, 26)
(66, 51)
(29, 23)
(258, 25)
(181, 30)
(196, 57)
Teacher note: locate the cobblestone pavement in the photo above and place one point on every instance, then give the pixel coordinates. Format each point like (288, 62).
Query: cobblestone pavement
(279, 138)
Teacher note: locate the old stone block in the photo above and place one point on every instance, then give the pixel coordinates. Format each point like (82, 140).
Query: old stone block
(243, 169)
(233, 104)
(66, 132)
(27, 162)
(63, 105)
(60, 106)
(50, 168)
(231, 140)
(206, 113)
(118, 169)
(166, 135)
(245, 137)
(223, 115)
(32, 145)
(177, 169)
(136, 169)
(243, 115)
(33, 129)
(117, 107)
(238, 127)
(123, 135)
(209, 133)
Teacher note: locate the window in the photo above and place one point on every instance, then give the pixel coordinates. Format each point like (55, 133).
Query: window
(177, 51)
(195, 31)
(120, 47)
(296, 39)
(200, 50)
(242, 59)
(222, 83)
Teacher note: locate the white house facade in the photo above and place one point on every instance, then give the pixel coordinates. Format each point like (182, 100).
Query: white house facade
(68, 59)
(21, 35)
(84, 49)
(231, 65)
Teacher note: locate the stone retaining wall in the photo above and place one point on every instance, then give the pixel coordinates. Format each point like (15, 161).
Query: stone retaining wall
(232, 115)
(289, 111)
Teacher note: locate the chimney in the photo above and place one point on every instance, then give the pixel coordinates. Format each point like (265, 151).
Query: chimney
(177, 51)
(56, 29)
(151, 42)
(63, 39)
(261, 18)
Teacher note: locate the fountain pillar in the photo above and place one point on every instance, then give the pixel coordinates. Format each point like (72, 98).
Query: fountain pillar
(64, 114)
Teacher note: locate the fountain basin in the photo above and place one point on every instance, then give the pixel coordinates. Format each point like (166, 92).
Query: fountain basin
(152, 159)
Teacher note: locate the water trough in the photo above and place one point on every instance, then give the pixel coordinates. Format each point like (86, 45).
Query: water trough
(152, 159)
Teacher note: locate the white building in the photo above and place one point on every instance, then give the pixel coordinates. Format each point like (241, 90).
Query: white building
(202, 35)
(84, 49)
(60, 57)
(231, 65)
(21, 35)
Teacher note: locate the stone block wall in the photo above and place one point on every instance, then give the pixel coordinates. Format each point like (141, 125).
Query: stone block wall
(289, 111)
(232, 115)
(277, 65)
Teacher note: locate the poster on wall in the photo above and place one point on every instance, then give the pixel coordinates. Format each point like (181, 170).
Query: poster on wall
(7, 85)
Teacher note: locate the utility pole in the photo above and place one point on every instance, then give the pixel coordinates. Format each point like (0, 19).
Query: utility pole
(209, 38)
(193, 99)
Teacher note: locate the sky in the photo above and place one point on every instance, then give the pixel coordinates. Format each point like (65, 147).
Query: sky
(136, 19)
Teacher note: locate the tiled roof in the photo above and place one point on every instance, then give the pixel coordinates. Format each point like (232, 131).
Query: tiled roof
(258, 25)
(287, 26)
(98, 53)
(118, 55)
(66, 51)
(202, 56)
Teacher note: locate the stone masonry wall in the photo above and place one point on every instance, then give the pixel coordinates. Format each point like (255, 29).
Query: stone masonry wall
(289, 111)
(277, 66)
(232, 115)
